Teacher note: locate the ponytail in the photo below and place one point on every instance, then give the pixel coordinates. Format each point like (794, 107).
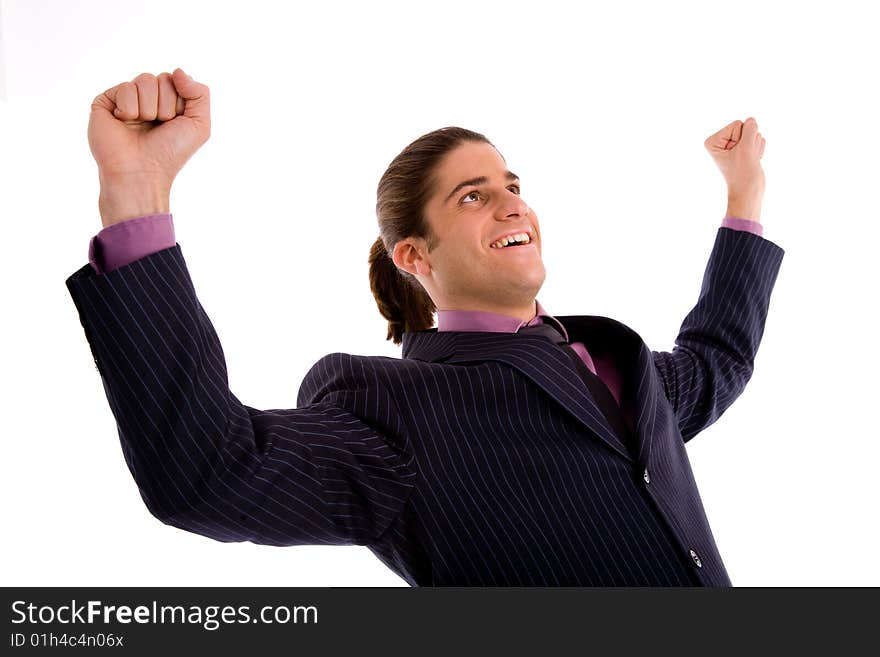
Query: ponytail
(401, 298)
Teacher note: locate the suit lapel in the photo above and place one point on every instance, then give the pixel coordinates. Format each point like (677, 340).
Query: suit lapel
(633, 358)
(548, 367)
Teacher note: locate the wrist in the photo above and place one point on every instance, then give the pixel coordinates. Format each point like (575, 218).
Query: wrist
(120, 202)
(744, 209)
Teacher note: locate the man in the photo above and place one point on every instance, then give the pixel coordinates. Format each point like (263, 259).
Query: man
(508, 447)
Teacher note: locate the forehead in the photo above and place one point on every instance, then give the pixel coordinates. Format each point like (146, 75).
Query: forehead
(469, 160)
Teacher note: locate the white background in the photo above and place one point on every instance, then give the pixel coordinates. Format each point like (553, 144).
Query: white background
(602, 109)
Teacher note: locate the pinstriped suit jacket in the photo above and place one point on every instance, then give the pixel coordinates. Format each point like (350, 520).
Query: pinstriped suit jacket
(475, 459)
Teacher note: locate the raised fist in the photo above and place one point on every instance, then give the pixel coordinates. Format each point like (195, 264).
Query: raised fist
(144, 131)
(737, 150)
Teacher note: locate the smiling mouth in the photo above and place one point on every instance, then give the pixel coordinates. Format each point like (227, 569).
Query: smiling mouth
(513, 247)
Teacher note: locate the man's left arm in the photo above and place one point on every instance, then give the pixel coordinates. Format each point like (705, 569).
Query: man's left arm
(715, 350)
(716, 346)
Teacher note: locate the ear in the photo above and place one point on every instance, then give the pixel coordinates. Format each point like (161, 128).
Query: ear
(407, 255)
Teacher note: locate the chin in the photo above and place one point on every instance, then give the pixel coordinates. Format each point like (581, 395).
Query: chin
(531, 284)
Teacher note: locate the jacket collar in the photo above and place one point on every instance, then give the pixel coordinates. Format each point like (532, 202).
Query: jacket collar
(548, 367)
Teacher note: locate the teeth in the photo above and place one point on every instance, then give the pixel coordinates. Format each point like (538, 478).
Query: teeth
(523, 238)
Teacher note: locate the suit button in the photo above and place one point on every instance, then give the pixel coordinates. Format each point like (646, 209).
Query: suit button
(696, 559)
(646, 477)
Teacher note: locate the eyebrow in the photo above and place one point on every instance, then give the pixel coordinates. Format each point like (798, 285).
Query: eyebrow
(481, 180)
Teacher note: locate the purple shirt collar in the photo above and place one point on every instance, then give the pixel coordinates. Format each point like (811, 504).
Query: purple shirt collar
(480, 320)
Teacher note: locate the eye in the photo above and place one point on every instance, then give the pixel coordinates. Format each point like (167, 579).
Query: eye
(514, 188)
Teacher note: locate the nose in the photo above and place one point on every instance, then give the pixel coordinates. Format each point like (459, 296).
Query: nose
(512, 207)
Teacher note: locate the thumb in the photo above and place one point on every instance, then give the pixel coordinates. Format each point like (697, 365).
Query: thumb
(726, 138)
(196, 97)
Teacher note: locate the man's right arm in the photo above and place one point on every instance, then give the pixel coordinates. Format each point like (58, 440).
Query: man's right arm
(326, 472)
(323, 473)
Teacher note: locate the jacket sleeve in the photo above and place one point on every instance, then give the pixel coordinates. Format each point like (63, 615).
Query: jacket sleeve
(715, 349)
(322, 473)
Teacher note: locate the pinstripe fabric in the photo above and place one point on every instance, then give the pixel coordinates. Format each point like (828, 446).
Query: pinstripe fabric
(475, 459)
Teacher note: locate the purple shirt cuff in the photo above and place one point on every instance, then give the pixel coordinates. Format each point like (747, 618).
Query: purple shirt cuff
(743, 224)
(120, 244)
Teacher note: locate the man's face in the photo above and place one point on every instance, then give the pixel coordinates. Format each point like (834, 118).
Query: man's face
(476, 201)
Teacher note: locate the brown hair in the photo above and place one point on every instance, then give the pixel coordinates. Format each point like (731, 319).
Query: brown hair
(401, 196)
